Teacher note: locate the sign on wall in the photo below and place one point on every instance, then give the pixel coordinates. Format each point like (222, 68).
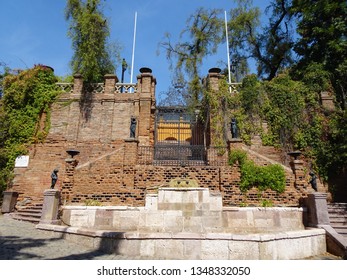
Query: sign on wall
(22, 161)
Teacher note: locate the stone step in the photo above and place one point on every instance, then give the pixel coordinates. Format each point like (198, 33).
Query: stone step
(36, 213)
(338, 216)
(337, 209)
(20, 217)
(341, 230)
(338, 219)
(340, 206)
(30, 213)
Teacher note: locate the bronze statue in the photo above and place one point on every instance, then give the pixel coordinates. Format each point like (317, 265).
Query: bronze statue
(54, 177)
(313, 181)
(233, 128)
(132, 127)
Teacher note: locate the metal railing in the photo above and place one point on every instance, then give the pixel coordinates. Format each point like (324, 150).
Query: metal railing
(66, 87)
(99, 87)
(125, 88)
(180, 155)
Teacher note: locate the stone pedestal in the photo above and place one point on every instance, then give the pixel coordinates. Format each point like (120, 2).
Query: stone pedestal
(9, 201)
(131, 152)
(51, 199)
(317, 209)
(298, 169)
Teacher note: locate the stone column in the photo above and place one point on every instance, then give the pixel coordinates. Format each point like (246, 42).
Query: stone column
(131, 151)
(110, 83)
(78, 84)
(212, 83)
(298, 169)
(317, 209)
(50, 209)
(9, 201)
(235, 144)
(146, 91)
(68, 182)
(327, 101)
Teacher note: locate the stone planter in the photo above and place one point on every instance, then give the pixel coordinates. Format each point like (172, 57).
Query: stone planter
(9, 201)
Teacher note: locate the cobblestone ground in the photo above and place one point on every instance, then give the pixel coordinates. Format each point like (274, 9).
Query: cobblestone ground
(21, 241)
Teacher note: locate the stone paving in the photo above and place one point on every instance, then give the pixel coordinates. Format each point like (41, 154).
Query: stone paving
(22, 241)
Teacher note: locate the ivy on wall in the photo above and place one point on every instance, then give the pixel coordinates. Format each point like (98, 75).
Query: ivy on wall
(262, 177)
(24, 114)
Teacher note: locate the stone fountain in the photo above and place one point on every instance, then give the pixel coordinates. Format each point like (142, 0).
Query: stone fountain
(185, 221)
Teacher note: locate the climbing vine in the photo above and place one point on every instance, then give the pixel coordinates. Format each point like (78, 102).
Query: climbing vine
(24, 114)
(218, 109)
(262, 177)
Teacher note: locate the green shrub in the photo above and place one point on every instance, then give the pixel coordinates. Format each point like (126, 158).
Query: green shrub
(262, 177)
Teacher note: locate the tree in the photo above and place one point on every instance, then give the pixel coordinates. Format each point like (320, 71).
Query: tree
(89, 32)
(270, 45)
(322, 29)
(204, 31)
(242, 26)
(177, 94)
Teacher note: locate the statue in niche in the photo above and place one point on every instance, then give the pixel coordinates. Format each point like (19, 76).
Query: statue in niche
(132, 127)
(233, 128)
(313, 181)
(54, 177)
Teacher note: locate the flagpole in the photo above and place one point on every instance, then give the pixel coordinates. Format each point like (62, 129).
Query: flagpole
(133, 54)
(227, 41)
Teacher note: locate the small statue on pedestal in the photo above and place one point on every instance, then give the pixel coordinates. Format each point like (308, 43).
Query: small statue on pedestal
(313, 181)
(233, 128)
(132, 127)
(54, 177)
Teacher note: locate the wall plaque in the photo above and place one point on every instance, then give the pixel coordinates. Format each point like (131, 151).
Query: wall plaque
(22, 161)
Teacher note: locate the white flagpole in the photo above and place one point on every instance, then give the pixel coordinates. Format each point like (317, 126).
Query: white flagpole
(227, 41)
(133, 54)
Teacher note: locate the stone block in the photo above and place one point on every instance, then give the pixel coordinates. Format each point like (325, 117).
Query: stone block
(50, 206)
(153, 221)
(243, 250)
(129, 220)
(216, 202)
(268, 250)
(192, 224)
(214, 250)
(151, 202)
(191, 249)
(9, 201)
(173, 221)
(128, 247)
(147, 248)
(169, 248)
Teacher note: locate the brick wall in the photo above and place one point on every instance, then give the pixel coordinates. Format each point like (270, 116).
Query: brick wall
(107, 169)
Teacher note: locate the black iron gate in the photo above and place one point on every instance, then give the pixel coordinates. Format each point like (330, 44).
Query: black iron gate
(179, 137)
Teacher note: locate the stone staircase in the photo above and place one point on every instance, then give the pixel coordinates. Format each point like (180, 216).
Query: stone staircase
(338, 217)
(31, 213)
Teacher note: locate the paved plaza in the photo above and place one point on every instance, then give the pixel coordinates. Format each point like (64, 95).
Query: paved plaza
(22, 241)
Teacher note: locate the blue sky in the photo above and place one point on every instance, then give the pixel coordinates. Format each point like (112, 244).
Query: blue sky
(35, 32)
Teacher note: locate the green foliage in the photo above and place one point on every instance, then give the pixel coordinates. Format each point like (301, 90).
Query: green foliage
(92, 202)
(262, 177)
(269, 44)
(248, 114)
(203, 32)
(266, 203)
(89, 32)
(237, 157)
(283, 109)
(322, 30)
(217, 105)
(27, 99)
